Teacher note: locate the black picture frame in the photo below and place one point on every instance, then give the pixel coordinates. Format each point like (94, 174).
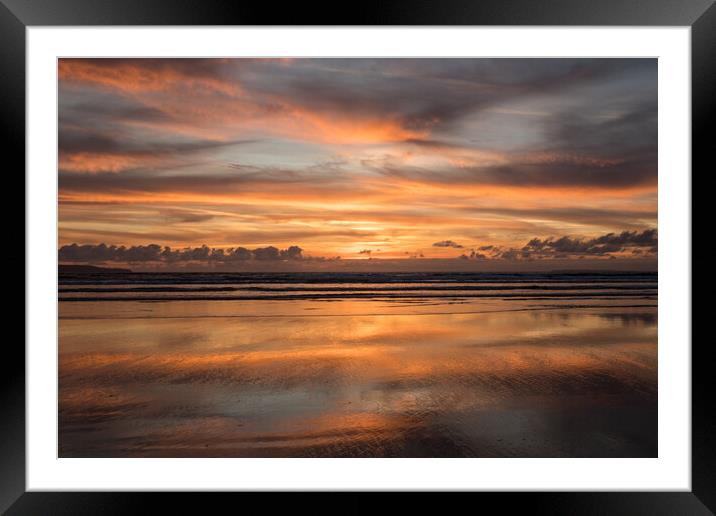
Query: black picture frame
(17, 15)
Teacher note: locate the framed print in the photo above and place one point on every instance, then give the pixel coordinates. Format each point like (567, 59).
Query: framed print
(408, 250)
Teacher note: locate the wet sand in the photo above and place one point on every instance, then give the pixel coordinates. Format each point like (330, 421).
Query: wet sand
(357, 378)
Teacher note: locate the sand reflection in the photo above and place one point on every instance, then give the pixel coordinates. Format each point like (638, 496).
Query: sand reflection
(533, 383)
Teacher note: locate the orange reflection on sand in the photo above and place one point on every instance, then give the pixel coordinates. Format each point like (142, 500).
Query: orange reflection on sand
(353, 385)
(419, 348)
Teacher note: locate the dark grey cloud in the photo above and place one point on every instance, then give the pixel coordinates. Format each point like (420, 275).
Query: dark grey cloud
(560, 171)
(623, 146)
(155, 253)
(139, 180)
(568, 173)
(83, 141)
(229, 178)
(96, 110)
(447, 243)
(641, 243)
(177, 216)
(474, 255)
(609, 243)
(428, 92)
(630, 133)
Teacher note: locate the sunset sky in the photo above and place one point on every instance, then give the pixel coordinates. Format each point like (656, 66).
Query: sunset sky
(477, 160)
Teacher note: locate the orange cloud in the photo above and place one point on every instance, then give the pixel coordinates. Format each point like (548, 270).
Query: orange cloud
(94, 162)
(135, 77)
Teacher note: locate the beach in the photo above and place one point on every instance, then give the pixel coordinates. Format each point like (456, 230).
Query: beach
(371, 365)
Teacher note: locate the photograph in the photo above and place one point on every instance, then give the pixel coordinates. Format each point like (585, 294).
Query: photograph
(302, 257)
(406, 249)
